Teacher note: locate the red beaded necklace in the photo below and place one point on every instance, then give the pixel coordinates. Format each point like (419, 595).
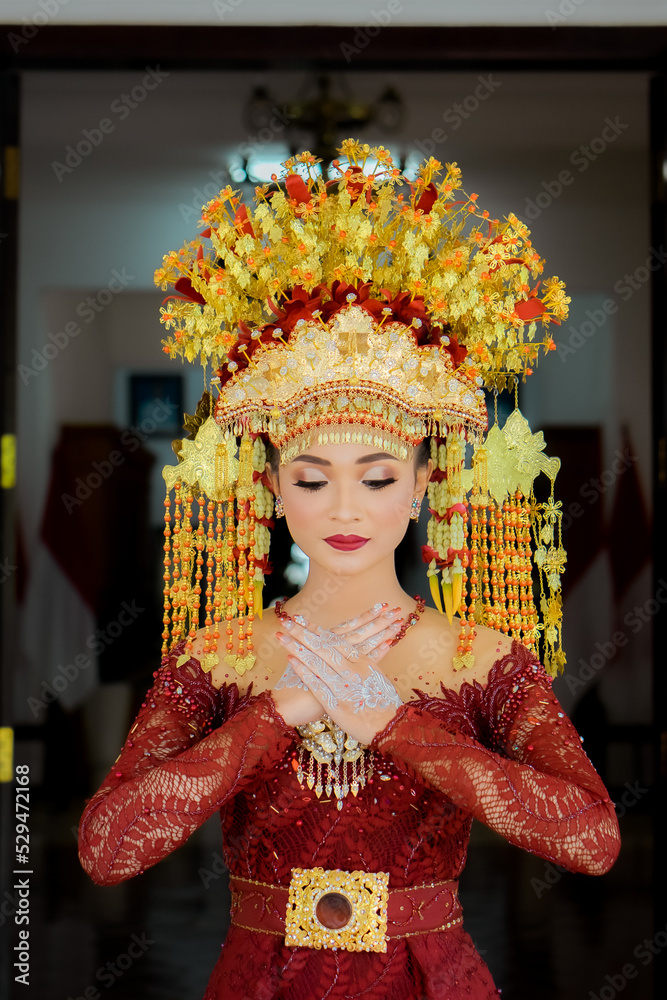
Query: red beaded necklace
(412, 618)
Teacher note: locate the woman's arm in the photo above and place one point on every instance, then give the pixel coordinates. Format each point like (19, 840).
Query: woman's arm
(533, 783)
(175, 769)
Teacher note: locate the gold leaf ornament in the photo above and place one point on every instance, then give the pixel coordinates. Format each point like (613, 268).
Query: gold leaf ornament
(515, 457)
(208, 462)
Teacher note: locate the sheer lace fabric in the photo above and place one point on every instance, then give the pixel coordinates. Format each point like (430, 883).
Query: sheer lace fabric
(503, 753)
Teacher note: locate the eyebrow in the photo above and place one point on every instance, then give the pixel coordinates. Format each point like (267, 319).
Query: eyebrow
(316, 460)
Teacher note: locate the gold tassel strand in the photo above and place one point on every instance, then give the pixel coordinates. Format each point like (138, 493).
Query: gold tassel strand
(199, 562)
(230, 574)
(503, 624)
(219, 572)
(176, 552)
(509, 537)
(186, 566)
(474, 568)
(166, 576)
(241, 572)
(244, 658)
(494, 613)
(210, 545)
(528, 610)
(251, 576)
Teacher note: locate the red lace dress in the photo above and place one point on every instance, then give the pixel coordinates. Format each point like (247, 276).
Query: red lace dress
(504, 754)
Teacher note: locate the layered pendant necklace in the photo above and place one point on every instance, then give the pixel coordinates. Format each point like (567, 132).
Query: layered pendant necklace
(329, 760)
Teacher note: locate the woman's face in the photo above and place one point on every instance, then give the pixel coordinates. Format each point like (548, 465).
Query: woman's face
(348, 506)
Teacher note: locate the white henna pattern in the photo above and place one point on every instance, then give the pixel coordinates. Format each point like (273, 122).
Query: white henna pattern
(375, 691)
(290, 679)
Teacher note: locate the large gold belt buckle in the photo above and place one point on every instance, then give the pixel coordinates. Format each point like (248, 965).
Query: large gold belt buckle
(337, 909)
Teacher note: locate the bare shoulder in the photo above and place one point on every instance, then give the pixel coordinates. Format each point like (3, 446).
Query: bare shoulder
(427, 658)
(270, 657)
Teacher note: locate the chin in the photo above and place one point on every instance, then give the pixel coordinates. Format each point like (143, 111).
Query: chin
(350, 563)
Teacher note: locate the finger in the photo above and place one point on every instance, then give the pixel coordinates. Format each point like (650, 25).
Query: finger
(333, 648)
(379, 651)
(391, 620)
(351, 624)
(315, 684)
(388, 633)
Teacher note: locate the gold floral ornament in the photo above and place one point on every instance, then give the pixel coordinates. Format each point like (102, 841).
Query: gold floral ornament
(474, 275)
(374, 309)
(365, 896)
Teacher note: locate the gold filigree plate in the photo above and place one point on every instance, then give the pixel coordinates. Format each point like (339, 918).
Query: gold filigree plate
(367, 895)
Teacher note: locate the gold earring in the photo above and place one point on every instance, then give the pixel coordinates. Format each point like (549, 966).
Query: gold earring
(416, 507)
(279, 509)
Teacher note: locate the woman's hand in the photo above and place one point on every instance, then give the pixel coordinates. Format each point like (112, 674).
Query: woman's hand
(294, 701)
(339, 667)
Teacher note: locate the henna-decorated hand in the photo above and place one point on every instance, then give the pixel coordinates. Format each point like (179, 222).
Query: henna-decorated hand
(338, 666)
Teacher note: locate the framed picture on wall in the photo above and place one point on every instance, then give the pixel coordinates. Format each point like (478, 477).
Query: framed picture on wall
(156, 404)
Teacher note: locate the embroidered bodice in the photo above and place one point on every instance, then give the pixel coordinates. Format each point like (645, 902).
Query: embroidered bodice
(503, 753)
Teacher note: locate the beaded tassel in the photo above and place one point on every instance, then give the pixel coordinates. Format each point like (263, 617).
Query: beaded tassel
(230, 574)
(475, 558)
(251, 574)
(219, 572)
(186, 566)
(210, 544)
(199, 562)
(509, 537)
(494, 615)
(503, 623)
(332, 776)
(166, 576)
(528, 611)
(241, 569)
(176, 549)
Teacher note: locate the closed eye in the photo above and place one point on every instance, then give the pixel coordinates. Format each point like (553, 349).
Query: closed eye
(311, 485)
(378, 484)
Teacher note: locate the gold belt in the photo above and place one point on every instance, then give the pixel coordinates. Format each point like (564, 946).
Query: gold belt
(355, 911)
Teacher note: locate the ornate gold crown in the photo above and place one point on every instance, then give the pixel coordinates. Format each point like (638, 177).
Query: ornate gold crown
(356, 371)
(370, 308)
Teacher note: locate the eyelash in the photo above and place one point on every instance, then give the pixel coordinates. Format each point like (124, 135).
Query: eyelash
(373, 484)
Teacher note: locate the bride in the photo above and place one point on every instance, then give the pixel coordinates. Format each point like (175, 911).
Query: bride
(349, 737)
(492, 744)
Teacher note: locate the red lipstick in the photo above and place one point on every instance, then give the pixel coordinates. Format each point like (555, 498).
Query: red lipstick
(346, 543)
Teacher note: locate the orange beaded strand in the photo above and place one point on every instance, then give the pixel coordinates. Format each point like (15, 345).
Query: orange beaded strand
(219, 570)
(241, 602)
(230, 574)
(474, 566)
(176, 553)
(251, 573)
(502, 567)
(210, 543)
(166, 576)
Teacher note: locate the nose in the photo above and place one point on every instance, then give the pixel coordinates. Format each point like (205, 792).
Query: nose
(345, 503)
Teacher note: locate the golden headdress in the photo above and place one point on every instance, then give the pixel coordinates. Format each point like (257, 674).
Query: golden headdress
(373, 308)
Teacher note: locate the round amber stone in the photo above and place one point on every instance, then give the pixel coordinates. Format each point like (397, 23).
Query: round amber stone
(334, 910)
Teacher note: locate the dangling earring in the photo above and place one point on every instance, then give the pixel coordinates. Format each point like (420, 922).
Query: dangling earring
(279, 509)
(416, 507)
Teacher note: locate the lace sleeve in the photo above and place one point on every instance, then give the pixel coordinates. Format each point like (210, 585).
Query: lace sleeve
(176, 769)
(508, 754)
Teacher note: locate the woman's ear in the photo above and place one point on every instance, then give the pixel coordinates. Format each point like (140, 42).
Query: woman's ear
(422, 478)
(273, 479)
